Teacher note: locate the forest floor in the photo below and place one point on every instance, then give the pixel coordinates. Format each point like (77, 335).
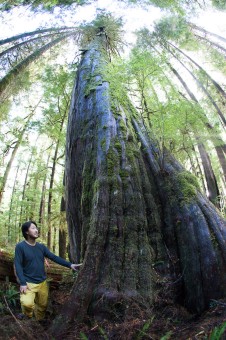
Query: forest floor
(168, 321)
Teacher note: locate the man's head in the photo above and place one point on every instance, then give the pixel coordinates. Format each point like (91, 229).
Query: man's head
(29, 228)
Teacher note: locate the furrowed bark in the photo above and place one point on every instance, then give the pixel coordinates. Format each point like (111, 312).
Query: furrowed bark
(194, 221)
(130, 207)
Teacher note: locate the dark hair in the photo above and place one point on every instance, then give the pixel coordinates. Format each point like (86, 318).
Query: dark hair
(26, 226)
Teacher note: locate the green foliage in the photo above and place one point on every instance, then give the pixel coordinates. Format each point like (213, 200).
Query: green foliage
(175, 28)
(110, 27)
(57, 83)
(83, 336)
(42, 4)
(103, 333)
(215, 57)
(219, 4)
(4, 109)
(169, 4)
(166, 336)
(143, 332)
(8, 295)
(173, 5)
(218, 332)
(117, 75)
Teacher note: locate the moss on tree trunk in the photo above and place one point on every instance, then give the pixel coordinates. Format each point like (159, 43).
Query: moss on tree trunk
(134, 214)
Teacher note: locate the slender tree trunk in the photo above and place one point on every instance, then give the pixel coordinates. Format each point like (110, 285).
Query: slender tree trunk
(21, 36)
(33, 200)
(125, 205)
(207, 32)
(24, 190)
(218, 143)
(212, 186)
(220, 149)
(217, 86)
(49, 238)
(8, 167)
(222, 158)
(16, 147)
(7, 170)
(11, 212)
(211, 43)
(24, 43)
(50, 196)
(220, 113)
(27, 61)
(41, 218)
(62, 230)
(54, 238)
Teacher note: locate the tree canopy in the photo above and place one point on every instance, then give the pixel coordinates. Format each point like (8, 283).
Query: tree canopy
(174, 5)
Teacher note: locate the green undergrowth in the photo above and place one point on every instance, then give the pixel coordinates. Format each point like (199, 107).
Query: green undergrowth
(9, 297)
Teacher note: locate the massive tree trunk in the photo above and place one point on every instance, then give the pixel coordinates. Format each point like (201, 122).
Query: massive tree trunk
(132, 211)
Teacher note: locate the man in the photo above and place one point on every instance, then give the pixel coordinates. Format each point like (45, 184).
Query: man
(30, 270)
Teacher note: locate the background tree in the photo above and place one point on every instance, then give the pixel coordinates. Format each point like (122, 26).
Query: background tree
(36, 184)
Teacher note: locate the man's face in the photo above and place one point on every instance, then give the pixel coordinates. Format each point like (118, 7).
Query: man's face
(32, 231)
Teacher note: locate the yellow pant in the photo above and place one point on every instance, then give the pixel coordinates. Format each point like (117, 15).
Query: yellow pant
(35, 300)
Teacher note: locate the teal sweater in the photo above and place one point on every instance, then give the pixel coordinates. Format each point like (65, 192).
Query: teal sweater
(29, 262)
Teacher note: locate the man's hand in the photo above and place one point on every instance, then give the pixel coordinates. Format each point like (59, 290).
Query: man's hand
(23, 289)
(75, 266)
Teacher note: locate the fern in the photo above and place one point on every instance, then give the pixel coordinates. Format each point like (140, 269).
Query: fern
(218, 332)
